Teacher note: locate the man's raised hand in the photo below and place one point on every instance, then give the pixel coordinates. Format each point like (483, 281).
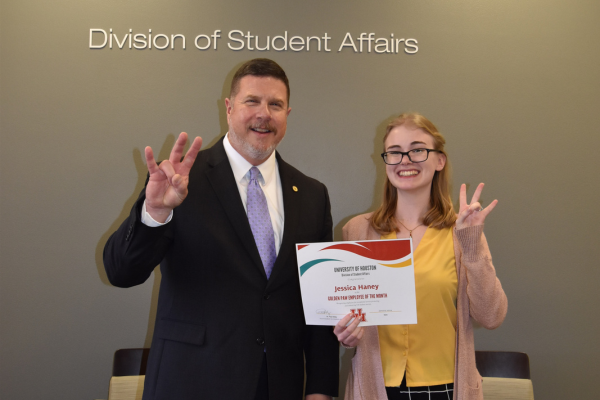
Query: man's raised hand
(168, 183)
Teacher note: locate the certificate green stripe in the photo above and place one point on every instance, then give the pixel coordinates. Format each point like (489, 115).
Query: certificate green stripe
(312, 263)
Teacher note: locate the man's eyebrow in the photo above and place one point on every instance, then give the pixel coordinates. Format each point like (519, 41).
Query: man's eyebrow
(257, 97)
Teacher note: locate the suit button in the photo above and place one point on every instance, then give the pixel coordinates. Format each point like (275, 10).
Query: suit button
(260, 341)
(267, 296)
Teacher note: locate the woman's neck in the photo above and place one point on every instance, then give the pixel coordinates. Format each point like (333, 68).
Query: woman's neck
(412, 207)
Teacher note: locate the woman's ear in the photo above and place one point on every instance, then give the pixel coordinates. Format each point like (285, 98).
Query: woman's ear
(441, 162)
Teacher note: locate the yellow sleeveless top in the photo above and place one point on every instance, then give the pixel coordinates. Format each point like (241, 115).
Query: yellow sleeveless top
(426, 350)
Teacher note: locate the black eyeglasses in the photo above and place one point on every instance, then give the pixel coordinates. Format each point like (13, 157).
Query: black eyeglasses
(414, 155)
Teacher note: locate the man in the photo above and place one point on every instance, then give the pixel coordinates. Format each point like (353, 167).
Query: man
(223, 224)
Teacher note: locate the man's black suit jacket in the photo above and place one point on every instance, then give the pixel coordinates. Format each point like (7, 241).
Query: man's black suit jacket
(217, 312)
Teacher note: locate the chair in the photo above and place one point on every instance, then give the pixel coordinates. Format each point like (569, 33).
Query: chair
(129, 370)
(505, 375)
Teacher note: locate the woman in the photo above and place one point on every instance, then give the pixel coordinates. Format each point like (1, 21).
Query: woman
(454, 277)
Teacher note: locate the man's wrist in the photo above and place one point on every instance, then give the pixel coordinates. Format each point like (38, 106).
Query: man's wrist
(153, 220)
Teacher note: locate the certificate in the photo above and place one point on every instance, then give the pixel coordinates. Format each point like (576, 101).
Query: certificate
(374, 280)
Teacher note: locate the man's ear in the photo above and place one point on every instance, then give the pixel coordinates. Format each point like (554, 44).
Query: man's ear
(228, 108)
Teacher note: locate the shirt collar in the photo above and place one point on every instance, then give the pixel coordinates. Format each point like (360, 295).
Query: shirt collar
(241, 166)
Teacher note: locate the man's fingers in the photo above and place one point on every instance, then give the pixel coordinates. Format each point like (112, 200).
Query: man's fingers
(152, 167)
(178, 147)
(191, 154)
(194, 148)
(176, 182)
(180, 183)
(168, 169)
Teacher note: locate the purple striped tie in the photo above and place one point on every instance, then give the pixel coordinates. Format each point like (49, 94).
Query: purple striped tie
(260, 222)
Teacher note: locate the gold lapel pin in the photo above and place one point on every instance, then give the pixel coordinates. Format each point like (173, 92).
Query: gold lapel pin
(295, 188)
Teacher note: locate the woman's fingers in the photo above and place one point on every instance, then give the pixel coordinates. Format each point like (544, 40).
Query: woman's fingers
(477, 193)
(348, 334)
(353, 333)
(354, 339)
(462, 196)
(341, 325)
(473, 213)
(358, 335)
(489, 208)
(474, 207)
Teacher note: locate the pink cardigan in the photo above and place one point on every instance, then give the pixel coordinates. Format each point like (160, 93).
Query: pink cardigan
(480, 296)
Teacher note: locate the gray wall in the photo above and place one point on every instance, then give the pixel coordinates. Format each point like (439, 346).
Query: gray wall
(513, 85)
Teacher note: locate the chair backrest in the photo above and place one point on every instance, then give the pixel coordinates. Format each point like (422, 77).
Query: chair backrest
(505, 375)
(129, 362)
(128, 376)
(503, 364)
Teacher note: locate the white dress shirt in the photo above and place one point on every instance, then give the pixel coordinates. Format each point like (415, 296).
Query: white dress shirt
(269, 181)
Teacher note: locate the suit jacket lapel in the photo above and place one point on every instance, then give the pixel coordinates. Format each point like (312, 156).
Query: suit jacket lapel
(223, 182)
(291, 208)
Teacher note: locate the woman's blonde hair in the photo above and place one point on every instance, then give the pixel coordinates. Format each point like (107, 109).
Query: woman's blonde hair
(441, 212)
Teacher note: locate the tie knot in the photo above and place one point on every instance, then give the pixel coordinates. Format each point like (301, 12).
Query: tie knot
(254, 173)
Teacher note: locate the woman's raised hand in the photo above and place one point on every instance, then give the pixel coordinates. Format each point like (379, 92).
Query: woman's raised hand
(348, 335)
(472, 214)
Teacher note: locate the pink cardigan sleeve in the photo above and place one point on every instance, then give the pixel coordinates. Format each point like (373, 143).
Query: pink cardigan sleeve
(487, 300)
